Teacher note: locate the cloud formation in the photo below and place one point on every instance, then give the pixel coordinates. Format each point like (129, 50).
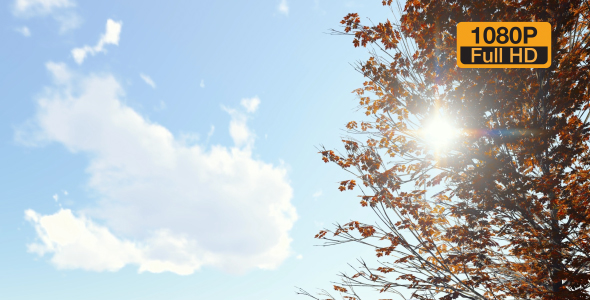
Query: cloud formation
(24, 31)
(283, 7)
(317, 194)
(60, 10)
(111, 36)
(60, 73)
(164, 205)
(148, 80)
(40, 7)
(79, 243)
(238, 129)
(250, 104)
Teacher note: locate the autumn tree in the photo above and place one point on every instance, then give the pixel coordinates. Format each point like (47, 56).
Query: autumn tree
(480, 178)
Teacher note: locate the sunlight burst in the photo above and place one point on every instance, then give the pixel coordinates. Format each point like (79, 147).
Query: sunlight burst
(439, 133)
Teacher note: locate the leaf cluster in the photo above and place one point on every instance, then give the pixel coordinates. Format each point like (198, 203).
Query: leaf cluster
(504, 211)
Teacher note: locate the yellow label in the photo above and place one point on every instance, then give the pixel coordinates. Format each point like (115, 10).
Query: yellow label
(504, 44)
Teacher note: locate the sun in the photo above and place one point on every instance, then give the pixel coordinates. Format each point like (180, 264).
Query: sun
(439, 133)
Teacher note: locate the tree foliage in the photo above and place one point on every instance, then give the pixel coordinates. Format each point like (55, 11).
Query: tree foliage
(508, 215)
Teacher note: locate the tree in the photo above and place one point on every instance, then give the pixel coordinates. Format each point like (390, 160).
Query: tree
(502, 211)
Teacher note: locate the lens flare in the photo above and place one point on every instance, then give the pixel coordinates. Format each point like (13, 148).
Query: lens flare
(439, 133)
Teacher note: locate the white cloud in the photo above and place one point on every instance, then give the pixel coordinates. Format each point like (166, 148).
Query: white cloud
(164, 205)
(238, 129)
(210, 134)
(202, 84)
(55, 197)
(251, 104)
(148, 80)
(317, 194)
(24, 31)
(65, 193)
(211, 131)
(299, 256)
(283, 7)
(111, 36)
(39, 7)
(60, 10)
(60, 72)
(79, 243)
(68, 21)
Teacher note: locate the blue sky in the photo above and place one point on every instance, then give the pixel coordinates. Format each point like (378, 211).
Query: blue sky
(167, 150)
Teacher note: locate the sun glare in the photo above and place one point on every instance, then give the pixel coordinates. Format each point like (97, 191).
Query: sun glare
(439, 133)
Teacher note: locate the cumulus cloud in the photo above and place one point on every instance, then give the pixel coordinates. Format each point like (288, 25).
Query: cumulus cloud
(111, 36)
(24, 31)
(250, 104)
(283, 7)
(238, 128)
(148, 80)
(164, 205)
(60, 10)
(79, 243)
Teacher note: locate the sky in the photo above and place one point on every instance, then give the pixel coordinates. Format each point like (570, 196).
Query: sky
(168, 149)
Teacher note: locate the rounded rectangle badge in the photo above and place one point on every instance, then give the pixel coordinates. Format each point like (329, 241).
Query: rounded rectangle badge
(504, 44)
